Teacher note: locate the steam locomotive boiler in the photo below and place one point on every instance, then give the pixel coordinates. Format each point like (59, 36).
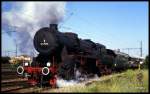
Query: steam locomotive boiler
(62, 54)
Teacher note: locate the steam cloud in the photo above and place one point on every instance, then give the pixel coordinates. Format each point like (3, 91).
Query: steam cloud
(79, 78)
(27, 17)
(65, 83)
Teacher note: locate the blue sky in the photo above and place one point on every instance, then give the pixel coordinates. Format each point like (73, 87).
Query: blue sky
(114, 24)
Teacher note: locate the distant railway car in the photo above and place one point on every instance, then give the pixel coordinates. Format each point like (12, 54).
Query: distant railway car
(121, 61)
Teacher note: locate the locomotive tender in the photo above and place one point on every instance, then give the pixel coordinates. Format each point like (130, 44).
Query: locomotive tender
(61, 54)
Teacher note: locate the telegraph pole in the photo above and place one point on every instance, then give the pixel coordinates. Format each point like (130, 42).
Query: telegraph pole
(16, 49)
(141, 49)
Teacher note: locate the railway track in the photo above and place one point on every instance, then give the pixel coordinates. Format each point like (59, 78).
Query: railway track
(29, 90)
(11, 83)
(17, 86)
(9, 79)
(23, 88)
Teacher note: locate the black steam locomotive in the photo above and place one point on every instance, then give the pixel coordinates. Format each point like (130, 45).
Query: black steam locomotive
(62, 54)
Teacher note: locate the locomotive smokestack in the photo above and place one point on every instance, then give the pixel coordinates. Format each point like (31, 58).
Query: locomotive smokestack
(54, 27)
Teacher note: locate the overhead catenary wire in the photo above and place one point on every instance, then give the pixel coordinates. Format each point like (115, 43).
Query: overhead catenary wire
(108, 34)
(94, 25)
(83, 20)
(13, 29)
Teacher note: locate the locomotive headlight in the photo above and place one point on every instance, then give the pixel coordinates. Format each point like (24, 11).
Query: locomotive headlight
(141, 62)
(26, 64)
(48, 64)
(115, 64)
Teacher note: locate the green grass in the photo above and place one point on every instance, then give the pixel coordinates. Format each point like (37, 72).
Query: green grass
(129, 81)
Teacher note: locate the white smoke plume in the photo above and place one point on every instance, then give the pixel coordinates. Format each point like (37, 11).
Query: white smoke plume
(65, 83)
(80, 79)
(27, 17)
